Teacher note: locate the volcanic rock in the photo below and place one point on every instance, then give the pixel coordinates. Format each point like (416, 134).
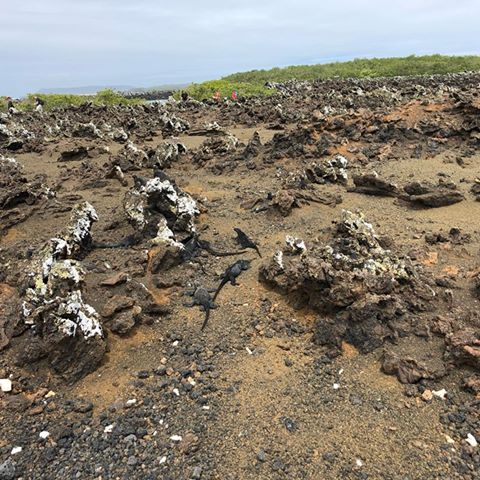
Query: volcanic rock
(463, 347)
(372, 184)
(433, 196)
(364, 293)
(65, 328)
(406, 369)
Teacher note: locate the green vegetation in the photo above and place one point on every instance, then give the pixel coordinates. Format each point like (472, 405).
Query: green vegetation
(104, 97)
(252, 83)
(201, 91)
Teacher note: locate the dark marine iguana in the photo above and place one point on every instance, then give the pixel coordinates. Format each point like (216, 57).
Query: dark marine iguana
(201, 297)
(245, 241)
(193, 244)
(127, 242)
(231, 274)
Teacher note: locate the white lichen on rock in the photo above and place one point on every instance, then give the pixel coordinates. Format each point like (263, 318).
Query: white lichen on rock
(160, 199)
(294, 245)
(54, 287)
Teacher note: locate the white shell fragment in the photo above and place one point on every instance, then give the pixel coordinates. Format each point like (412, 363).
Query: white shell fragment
(5, 385)
(471, 440)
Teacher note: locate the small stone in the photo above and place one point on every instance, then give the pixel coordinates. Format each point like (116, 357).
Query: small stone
(132, 461)
(329, 457)
(176, 438)
(7, 470)
(449, 439)
(440, 393)
(197, 473)
(116, 304)
(471, 440)
(115, 280)
(261, 456)
(44, 435)
(5, 385)
(278, 465)
(290, 424)
(189, 444)
(427, 396)
(16, 450)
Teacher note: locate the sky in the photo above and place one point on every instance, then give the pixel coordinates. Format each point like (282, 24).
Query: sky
(71, 43)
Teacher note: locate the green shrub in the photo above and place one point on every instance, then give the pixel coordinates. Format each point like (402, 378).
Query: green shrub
(360, 68)
(104, 97)
(205, 90)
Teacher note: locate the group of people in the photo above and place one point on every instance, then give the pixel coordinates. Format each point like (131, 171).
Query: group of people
(217, 96)
(39, 103)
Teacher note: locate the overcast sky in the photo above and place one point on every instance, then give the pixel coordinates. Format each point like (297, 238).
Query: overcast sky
(66, 43)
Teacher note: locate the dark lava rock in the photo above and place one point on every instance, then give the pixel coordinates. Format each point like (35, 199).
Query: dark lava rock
(406, 369)
(78, 153)
(372, 184)
(463, 347)
(362, 291)
(433, 196)
(116, 304)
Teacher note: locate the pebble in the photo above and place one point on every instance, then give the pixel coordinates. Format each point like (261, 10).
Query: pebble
(176, 438)
(5, 385)
(44, 435)
(471, 440)
(290, 424)
(261, 456)
(197, 473)
(440, 393)
(16, 450)
(132, 461)
(7, 470)
(427, 396)
(108, 429)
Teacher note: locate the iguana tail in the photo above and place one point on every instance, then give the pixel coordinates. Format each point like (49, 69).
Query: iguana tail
(207, 316)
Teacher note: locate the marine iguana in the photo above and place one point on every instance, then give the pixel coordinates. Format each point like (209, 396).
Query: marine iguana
(231, 274)
(193, 243)
(201, 297)
(245, 241)
(127, 242)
